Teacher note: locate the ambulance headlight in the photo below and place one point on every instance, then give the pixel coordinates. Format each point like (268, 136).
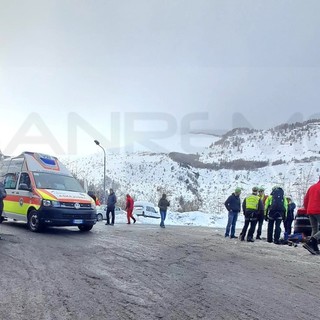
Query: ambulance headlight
(49, 203)
(93, 205)
(46, 203)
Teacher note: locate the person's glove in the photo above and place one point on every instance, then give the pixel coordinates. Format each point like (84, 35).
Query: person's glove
(265, 218)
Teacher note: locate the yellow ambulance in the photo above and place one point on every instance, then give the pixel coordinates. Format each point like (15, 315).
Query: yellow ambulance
(42, 192)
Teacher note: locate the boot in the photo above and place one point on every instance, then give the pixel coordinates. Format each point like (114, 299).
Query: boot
(312, 246)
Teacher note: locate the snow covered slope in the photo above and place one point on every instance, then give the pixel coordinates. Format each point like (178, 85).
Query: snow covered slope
(288, 155)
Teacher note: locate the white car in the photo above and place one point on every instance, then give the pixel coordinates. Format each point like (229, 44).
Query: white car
(145, 209)
(102, 214)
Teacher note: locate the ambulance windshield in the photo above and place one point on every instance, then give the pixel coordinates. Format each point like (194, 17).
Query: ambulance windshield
(56, 182)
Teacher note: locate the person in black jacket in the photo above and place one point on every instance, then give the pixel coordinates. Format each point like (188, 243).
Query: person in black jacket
(111, 202)
(163, 206)
(233, 205)
(3, 194)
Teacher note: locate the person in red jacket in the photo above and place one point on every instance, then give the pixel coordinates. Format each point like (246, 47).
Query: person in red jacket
(129, 208)
(98, 203)
(312, 205)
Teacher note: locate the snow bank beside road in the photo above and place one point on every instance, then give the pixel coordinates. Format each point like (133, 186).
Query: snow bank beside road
(193, 218)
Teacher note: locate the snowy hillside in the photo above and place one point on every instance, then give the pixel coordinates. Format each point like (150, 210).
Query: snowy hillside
(287, 155)
(285, 143)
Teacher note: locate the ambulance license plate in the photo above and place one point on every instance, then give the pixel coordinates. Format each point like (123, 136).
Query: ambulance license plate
(77, 221)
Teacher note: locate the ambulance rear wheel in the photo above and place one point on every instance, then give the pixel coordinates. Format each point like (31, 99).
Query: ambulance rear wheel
(33, 221)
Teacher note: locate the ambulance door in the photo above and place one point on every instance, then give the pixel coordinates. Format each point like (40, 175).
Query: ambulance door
(10, 184)
(24, 193)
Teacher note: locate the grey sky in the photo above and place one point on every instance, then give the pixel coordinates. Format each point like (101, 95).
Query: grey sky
(254, 62)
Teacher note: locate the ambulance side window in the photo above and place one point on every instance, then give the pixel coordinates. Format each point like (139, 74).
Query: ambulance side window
(25, 179)
(10, 181)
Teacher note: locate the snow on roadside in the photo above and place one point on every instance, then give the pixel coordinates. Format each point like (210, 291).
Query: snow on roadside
(193, 218)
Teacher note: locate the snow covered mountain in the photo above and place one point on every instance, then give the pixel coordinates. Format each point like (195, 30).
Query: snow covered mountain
(287, 155)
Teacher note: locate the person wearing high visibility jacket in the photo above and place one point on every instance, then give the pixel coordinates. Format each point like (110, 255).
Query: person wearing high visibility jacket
(263, 198)
(251, 206)
(275, 211)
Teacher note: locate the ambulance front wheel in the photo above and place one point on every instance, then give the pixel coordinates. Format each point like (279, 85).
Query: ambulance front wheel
(33, 221)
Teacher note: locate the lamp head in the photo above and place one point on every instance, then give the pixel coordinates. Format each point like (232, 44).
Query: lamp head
(97, 142)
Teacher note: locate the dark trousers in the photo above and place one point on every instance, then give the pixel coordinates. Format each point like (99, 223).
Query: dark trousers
(250, 218)
(287, 225)
(277, 230)
(1, 208)
(110, 210)
(260, 223)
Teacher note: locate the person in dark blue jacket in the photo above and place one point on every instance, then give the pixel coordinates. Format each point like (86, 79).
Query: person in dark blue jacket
(3, 194)
(233, 205)
(289, 219)
(111, 203)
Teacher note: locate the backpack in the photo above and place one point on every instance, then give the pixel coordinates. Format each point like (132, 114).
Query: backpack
(277, 203)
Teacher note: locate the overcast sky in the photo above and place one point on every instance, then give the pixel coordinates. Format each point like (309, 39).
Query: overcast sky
(73, 71)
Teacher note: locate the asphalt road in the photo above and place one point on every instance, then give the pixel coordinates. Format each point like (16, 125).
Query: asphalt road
(145, 272)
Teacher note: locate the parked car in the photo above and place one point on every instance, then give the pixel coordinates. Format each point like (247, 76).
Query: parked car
(302, 222)
(102, 214)
(146, 209)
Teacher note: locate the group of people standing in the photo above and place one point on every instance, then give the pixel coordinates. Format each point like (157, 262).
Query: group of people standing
(111, 204)
(257, 208)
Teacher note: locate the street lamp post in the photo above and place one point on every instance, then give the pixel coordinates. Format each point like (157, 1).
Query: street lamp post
(104, 169)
